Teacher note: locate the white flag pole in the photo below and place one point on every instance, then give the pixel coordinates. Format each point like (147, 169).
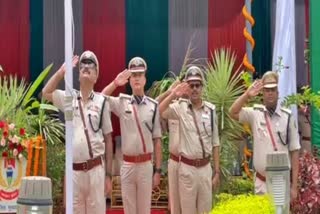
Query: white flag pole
(68, 104)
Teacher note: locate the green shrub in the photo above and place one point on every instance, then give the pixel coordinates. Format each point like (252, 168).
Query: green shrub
(237, 186)
(56, 167)
(243, 204)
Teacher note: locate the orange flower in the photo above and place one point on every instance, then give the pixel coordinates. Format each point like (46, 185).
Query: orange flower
(247, 128)
(36, 157)
(30, 150)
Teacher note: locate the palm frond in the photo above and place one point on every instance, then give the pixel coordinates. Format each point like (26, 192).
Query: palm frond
(222, 88)
(35, 85)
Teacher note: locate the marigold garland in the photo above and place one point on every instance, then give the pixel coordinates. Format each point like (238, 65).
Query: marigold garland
(36, 157)
(247, 155)
(29, 163)
(44, 158)
(37, 144)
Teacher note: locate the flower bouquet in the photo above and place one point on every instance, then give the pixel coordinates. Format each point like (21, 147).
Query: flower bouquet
(13, 141)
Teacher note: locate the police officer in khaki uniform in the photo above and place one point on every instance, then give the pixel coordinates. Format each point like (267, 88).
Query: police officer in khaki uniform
(140, 138)
(304, 125)
(173, 128)
(92, 134)
(199, 140)
(273, 128)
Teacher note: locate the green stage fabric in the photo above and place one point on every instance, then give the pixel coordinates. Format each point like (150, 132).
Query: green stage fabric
(36, 38)
(261, 32)
(147, 35)
(315, 66)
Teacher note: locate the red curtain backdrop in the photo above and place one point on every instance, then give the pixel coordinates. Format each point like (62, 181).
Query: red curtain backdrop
(104, 34)
(225, 27)
(14, 37)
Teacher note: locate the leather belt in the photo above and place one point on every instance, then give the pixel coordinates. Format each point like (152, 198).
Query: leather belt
(195, 162)
(174, 157)
(306, 138)
(261, 177)
(87, 165)
(138, 158)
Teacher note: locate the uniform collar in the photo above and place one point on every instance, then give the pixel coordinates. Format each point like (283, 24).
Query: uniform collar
(91, 95)
(278, 110)
(190, 104)
(144, 100)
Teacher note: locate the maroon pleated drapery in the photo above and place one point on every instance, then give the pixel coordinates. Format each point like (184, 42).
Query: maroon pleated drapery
(225, 27)
(104, 34)
(15, 37)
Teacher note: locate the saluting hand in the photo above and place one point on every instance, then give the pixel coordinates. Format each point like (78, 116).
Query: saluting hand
(174, 85)
(122, 78)
(182, 89)
(255, 88)
(75, 60)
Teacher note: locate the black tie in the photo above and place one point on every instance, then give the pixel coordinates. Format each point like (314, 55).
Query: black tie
(138, 98)
(271, 110)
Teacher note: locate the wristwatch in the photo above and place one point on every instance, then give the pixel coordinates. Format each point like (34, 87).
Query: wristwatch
(108, 174)
(158, 170)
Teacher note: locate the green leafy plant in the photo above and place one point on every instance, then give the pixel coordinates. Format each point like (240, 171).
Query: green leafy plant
(222, 88)
(47, 124)
(237, 186)
(56, 168)
(11, 94)
(16, 98)
(306, 97)
(19, 105)
(243, 204)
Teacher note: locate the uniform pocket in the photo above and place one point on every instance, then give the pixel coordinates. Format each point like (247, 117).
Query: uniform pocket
(262, 130)
(207, 128)
(282, 136)
(94, 120)
(173, 125)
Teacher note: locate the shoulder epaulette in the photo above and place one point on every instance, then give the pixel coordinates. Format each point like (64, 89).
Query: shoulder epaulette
(152, 100)
(174, 101)
(286, 110)
(210, 105)
(259, 107)
(181, 100)
(124, 96)
(100, 94)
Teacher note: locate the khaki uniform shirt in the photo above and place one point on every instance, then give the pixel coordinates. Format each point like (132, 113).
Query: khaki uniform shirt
(190, 146)
(262, 144)
(174, 136)
(91, 112)
(122, 106)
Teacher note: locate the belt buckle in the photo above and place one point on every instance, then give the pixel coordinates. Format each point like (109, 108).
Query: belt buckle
(85, 166)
